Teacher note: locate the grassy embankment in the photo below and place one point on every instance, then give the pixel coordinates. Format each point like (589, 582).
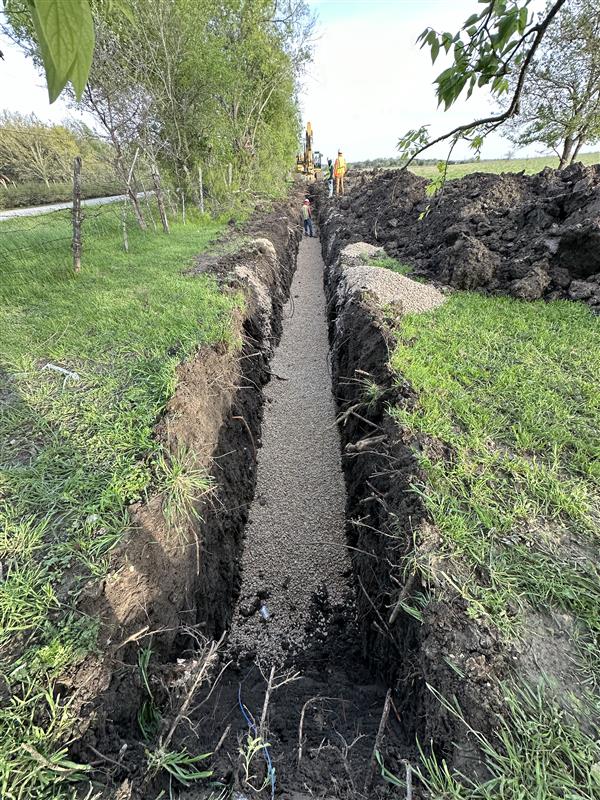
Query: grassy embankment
(514, 389)
(74, 452)
(529, 165)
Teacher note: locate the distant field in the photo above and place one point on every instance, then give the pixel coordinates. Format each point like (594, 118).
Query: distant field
(530, 165)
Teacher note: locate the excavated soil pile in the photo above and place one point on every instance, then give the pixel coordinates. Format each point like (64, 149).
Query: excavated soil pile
(530, 236)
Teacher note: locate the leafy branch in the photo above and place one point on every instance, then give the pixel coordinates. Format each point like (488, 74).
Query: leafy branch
(488, 47)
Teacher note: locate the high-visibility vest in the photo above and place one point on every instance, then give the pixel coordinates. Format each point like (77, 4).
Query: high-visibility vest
(339, 168)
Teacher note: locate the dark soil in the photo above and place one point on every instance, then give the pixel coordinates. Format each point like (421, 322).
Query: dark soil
(388, 531)
(530, 236)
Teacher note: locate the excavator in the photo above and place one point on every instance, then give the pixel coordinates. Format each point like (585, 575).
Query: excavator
(309, 164)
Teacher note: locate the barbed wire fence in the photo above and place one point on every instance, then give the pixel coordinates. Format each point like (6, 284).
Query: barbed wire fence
(63, 238)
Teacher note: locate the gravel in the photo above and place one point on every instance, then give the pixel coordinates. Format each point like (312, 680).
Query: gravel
(384, 285)
(295, 546)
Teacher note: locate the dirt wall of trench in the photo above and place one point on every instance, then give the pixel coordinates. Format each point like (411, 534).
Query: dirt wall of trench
(171, 580)
(389, 531)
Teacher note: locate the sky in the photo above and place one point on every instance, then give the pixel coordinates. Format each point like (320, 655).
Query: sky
(368, 84)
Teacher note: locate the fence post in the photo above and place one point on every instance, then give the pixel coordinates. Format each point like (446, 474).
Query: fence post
(181, 191)
(124, 226)
(201, 188)
(76, 242)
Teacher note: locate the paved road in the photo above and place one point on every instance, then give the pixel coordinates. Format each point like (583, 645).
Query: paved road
(34, 210)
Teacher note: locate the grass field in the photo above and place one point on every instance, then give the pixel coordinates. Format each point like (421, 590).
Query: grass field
(76, 449)
(528, 165)
(513, 389)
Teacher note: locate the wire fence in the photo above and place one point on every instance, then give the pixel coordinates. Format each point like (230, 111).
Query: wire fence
(51, 241)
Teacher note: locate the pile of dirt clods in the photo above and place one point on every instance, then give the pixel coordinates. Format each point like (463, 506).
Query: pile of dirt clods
(530, 236)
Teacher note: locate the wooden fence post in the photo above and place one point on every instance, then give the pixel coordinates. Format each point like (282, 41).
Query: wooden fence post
(76, 242)
(201, 189)
(124, 226)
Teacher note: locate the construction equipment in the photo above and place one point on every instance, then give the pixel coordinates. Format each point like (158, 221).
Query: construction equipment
(309, 164)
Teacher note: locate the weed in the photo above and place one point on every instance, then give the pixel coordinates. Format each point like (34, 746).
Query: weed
(183, 485)
(253, 746)
(542, 750)
(387, 262)
(179, 764)
(148, 716)
(33, 755)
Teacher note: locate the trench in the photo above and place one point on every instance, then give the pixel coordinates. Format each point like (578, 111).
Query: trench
(295, 635)
(284, 579)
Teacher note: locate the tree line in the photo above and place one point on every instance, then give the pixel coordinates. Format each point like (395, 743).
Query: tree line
(197, 93)
(36, 160)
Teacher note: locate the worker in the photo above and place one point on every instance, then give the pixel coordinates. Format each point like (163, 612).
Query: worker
(329, 176)
(339, 170)
(307, 218)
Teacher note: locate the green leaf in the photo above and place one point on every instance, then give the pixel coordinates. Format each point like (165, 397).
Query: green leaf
(435, 51)
(523, 15)
(65, 33)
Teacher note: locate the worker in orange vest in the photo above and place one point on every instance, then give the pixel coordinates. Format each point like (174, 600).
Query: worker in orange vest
(339, 170)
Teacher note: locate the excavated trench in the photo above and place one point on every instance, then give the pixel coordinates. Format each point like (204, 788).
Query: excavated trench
(289, 563)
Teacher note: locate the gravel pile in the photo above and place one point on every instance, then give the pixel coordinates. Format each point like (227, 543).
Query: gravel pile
(383, 285)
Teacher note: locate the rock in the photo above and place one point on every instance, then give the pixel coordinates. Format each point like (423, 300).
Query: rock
(393, 223)
(560, 277)
(532, 286)
(581, 290)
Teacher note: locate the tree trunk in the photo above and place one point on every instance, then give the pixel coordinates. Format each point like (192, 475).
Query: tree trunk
(578, 143)
(566, 153)
(136, 208)
(159, 199)
(200, 191)
(133, 194)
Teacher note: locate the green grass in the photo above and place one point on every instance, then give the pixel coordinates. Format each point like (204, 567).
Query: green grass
(513, 389)
(529, 165)
(542, 752)
(75, 452)
(387, 262)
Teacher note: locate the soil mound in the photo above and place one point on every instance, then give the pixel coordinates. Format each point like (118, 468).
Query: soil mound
(530, 236)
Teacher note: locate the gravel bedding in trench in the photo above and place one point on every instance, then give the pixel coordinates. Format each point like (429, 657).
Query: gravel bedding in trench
(295, 548)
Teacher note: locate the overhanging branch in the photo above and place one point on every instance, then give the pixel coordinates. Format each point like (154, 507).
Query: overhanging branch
(494, 121)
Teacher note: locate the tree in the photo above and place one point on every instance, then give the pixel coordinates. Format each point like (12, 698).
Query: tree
(197, 83)
(560, 102)
(502, 39)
